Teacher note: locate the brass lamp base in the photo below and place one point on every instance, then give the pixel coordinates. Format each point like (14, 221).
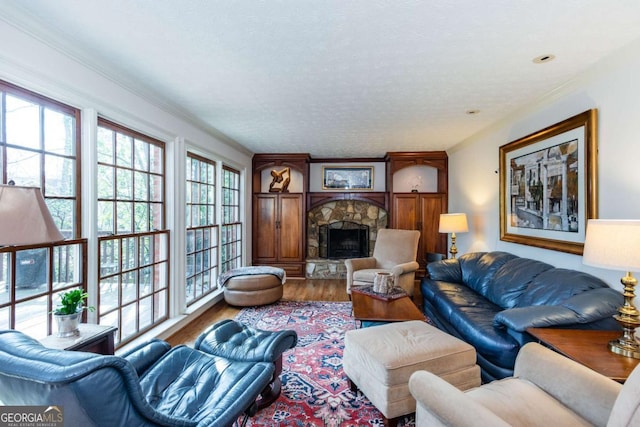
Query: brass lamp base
(453, 250)
(629, 318)
(625, 349)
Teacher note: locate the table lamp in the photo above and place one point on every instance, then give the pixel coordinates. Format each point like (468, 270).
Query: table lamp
(615, 245)
(453, 223)
(25, 218)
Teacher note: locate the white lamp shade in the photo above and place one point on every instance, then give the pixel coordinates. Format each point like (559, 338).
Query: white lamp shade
(25, 218)
(453, 223)
(612, 244)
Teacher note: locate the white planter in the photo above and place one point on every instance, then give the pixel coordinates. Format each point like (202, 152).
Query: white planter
(68, 324)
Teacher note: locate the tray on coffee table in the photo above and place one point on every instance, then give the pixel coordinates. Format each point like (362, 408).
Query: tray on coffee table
(368, 290)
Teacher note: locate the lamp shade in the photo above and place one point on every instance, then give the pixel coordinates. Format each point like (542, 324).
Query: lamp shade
(612, 244)
(25, 218)
(453, 223)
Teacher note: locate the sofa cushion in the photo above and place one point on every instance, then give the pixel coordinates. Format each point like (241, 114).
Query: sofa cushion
(556, 285)
(512, 279)
(479, 268)
(471, 315)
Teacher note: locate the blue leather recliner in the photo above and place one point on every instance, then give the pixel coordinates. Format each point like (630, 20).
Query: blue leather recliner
(152, 385)
(489, 299)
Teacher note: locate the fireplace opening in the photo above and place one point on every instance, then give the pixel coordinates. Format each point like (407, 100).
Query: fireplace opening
(343, 239)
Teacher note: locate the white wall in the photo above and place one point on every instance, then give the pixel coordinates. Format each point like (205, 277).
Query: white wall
(613, 87)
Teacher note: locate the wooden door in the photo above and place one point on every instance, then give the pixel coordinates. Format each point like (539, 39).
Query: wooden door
(404, 213)
(431, 206)
(290, 244)
(265, 211)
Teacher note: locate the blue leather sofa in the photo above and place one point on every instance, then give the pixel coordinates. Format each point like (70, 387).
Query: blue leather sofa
(489, 299)
(153, 385)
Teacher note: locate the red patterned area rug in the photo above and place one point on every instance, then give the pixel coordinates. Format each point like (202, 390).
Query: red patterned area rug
(315, 390)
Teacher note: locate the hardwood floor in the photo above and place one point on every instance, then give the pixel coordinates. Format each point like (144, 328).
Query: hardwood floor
(294, 290)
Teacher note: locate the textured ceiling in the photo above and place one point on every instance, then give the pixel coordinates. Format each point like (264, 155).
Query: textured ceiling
(337, 78)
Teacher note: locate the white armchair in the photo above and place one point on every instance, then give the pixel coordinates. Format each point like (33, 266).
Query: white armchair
(394, 252)
(547, 389)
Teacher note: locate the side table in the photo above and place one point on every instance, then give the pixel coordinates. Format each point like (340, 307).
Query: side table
(588, 347)
(92, 338)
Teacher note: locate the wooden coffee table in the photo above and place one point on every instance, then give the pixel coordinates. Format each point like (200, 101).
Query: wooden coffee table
(588, 347)
(367, 308)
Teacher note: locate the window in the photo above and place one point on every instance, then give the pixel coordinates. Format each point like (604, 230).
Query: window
(202, 230)
(231, 223)
(133, 247)
(40, 147)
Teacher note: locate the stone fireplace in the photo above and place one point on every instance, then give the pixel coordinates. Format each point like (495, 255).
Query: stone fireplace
(343, 239)
(340, 215)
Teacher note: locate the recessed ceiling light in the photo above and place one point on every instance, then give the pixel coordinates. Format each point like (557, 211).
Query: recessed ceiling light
(542, 59)
(472, 112)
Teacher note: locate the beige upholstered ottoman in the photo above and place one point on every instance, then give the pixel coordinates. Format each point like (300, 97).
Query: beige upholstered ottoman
(379, 360)
(250, 290)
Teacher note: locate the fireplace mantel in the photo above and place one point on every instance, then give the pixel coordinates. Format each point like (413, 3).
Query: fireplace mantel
(380, 199)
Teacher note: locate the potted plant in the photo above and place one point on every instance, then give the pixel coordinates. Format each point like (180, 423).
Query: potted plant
(68, 312)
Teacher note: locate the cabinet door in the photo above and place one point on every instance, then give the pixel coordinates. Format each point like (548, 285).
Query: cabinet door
(290, 244)
(265, 210)
(405, 212)
(431, 206)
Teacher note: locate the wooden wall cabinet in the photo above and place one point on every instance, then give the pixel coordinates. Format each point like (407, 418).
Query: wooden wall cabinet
(278, 221)
(279, 224)
(420, 211)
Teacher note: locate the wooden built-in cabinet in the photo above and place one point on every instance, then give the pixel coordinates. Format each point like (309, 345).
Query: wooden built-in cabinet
(279, 218)
(416, 211)
(277, 230)
(420, 211)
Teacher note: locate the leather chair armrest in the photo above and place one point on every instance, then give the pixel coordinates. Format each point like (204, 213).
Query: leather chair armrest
(438, 403)
(146, 354)
(584, 391)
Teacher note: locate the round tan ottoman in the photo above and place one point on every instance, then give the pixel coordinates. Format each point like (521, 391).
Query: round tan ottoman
(250, 290)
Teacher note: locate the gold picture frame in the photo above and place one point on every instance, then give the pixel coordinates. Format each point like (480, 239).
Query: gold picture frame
(548, 185)
(347, 178)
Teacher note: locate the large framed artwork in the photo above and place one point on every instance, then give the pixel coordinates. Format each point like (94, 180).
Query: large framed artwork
(548, 185)
(347, 178)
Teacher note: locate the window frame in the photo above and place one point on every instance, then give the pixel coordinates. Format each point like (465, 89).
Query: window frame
(116, 269)
(198, 276)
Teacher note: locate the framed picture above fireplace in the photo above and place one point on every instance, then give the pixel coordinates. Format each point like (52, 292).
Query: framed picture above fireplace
(347, 178)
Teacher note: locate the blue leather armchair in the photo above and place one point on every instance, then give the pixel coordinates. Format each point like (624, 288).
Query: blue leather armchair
(153, 385)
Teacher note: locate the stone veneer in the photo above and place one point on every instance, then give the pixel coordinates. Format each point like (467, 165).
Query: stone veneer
(330, 212)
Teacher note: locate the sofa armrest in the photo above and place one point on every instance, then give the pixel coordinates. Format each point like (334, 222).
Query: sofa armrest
(584, 391)
(447, 270)
(146, 354)
(438, 403)
(535, 316)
